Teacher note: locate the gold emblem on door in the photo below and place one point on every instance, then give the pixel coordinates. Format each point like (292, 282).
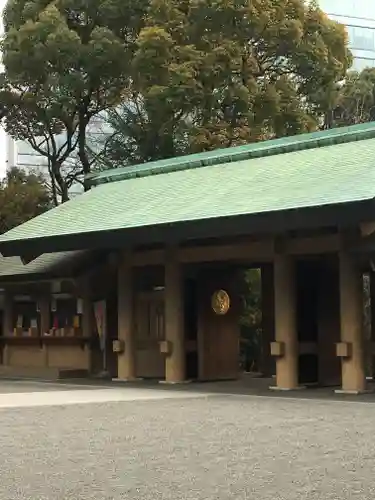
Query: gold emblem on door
(220, 302)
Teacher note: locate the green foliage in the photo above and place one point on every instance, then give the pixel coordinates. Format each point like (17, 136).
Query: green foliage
(218, 73)
(65, 62)
(22, 197)
(176, 76)
(251, 319)
(355, 99)
(140, 136)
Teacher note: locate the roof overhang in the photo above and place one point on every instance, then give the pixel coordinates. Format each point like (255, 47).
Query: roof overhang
(66, 270)
(343, 214)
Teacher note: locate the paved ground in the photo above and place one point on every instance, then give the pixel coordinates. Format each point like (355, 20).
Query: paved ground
(157, 443)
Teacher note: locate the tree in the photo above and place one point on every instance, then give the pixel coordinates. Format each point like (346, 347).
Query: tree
(136, 135)
(30, 117)
(22, 197)
(251, 319)
(355, 99)
(65, 62)
(218, 73)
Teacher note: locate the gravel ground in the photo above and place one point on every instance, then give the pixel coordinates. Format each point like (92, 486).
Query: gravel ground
(219, 448)
(25, 386)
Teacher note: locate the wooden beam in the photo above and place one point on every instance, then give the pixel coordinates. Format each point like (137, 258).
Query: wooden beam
(148, 258)
(256, 251)
(312, 246)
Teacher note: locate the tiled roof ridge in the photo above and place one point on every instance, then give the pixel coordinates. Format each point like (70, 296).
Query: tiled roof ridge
(262, 149)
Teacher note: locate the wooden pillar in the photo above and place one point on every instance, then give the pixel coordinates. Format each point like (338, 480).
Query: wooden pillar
(126, 332)
(372, 319)
(87, 315)
(286, 322)
(267, 365)
(44, 323)
(7, 324)
(45, 315)
(351, 325)
(87, 323)
(175, 369)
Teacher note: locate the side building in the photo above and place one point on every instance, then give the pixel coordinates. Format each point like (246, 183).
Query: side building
(359, 18)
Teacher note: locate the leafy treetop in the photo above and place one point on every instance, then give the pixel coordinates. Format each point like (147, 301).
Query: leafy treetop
(355, 101)
(22, 197)
(65, 62)
(238, 71)
(217, 73)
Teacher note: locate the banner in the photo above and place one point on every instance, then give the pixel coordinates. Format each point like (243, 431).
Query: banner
(100, 317)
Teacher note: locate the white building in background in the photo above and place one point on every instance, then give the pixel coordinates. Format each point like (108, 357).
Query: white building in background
(11, 155)
(21, 154)
(359, 18)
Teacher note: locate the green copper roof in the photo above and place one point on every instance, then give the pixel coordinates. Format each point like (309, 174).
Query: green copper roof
(250, 151)
(325, 175)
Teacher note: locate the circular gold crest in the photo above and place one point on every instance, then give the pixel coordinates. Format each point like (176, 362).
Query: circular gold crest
(220, 302)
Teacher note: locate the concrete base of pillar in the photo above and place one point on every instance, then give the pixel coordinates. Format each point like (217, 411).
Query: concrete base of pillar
(182, 382)
(353, 393)
(282, 389)
(128, 380)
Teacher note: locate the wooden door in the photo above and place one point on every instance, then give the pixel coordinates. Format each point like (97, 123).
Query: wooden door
(150, 330)
(218, 335)
(191, 328)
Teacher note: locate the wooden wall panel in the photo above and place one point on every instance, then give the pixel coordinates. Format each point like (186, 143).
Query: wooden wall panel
(149, 330)
(218, 336)
(72, 357)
